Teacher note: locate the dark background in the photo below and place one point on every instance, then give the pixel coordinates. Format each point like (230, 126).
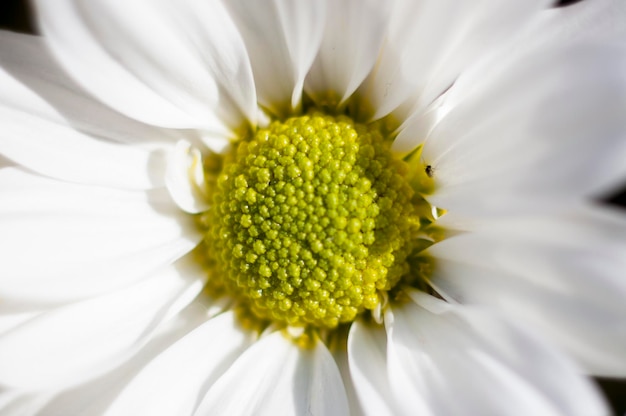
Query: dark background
(15, 15)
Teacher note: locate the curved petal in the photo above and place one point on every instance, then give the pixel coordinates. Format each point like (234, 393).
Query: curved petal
(196, 358)
(280, 378)
(77, 342)
(173, 64)
(549, 122)
(367, 352)
(282, 38)
(64, 241)
(561, 274)
(185, 179)
(430, 42)
(353, 36)
(437, 351)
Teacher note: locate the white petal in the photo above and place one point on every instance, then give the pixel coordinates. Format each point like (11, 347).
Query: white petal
(353, 35)
(430, 42)
(437, 351)
(367, 352)
(80, 341)
(64, 241)
(61, 152)
(93, 397)
(277, 377)
(185, 178)
(340, 354)
(10, 320)
(418, 126)
(217, 144)
(33, 82)
(174, 382)
(561, 274)
(51, 126)
(595, 21)
(175, 64)
(547, 122)
(14, 403)
(282, 38)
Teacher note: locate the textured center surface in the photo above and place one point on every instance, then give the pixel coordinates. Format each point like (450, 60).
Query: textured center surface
(311, 221)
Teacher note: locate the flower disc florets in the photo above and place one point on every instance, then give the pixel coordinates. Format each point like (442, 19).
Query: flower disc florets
(311, 221)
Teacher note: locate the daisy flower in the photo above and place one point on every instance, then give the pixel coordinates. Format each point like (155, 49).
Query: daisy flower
(312, 207)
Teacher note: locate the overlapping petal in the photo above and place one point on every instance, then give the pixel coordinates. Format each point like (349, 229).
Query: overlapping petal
(77, 342)
(280, 378)
(184, 66)
(282, 38)
(367, 354)
(430, 42)
(53, 127)
(353, 36)
(559, 272)
(96, 395)
(176, 380)
(88, 240)
(548, 124)
(437, 351)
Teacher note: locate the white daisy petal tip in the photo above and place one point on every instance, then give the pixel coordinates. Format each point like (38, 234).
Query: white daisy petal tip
(354, 34)
(282, 39)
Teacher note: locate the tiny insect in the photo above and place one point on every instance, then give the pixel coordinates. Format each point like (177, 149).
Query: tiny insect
(430, 171)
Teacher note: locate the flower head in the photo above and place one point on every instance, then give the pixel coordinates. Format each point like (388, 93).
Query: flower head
(312, 207)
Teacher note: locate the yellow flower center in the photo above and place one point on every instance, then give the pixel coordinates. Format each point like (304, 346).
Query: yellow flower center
(312, 221)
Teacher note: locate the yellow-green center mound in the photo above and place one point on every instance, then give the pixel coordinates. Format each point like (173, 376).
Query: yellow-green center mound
(311, 221)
